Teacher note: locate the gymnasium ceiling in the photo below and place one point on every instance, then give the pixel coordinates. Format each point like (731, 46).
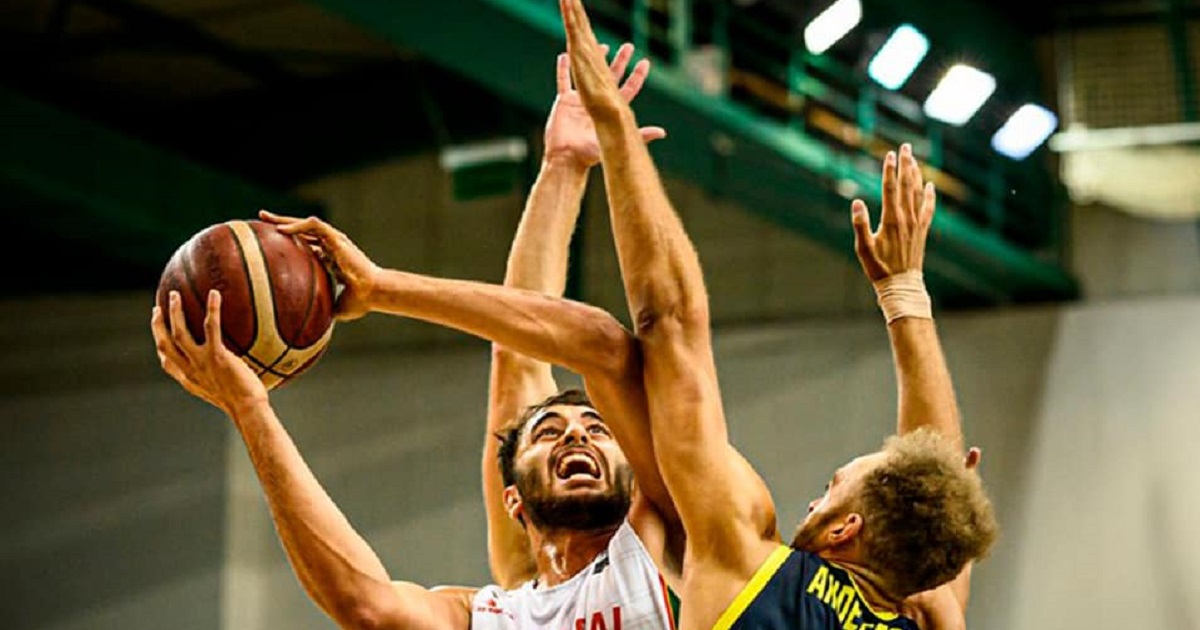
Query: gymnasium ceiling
(275, 92)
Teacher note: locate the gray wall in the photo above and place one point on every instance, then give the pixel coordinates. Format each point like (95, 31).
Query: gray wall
(131, 511)
(112, 490)
(128, 503)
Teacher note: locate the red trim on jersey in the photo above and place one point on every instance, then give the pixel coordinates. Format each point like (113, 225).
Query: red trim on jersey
(667, 602)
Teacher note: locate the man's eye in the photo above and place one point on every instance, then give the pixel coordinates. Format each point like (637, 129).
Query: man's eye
(598, 429)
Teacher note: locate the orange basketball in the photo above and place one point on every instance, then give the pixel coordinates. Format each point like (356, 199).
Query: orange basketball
(277, 297)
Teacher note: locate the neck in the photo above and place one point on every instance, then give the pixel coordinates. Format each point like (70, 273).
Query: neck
(869, 583)
(560, 554)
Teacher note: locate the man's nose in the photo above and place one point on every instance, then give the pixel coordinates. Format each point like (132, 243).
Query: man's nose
(575, 434)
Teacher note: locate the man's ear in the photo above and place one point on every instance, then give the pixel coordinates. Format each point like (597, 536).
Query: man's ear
(843, 531)
(513, 505)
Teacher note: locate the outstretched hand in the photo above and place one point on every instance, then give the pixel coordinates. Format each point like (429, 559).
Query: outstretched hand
(898, 245)
(351, 267)
(570, 132)
(594, 81)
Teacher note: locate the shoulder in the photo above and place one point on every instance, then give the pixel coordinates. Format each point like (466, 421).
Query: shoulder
(462, 595)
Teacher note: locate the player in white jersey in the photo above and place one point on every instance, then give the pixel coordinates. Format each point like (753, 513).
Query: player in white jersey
(620, 589)
(591, 541)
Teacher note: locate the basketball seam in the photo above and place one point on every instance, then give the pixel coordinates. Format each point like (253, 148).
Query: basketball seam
(286, 378)
(185, 263)
(312, 291)
(249, 286)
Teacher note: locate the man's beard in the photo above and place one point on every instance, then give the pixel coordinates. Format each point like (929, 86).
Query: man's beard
(808, 535)
(592, 512)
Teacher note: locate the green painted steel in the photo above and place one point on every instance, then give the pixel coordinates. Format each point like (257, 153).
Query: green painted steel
(1181, 56)
(137, 203)
(766, 166)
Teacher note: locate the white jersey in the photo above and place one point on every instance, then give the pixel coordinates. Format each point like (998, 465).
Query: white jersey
(620, 590)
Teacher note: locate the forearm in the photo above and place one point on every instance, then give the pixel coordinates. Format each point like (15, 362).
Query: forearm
(668, 301)
(582, 338)
(538, 258)
(659, 265)
(925, 392)
(334, 564)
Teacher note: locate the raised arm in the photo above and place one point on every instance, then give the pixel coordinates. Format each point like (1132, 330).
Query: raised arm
(337, 568)
(538, 261)
(892, 257)
(722, 502)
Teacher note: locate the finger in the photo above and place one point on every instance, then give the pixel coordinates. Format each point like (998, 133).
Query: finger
(568, 18)
(309, 225)
(915, 185)
(918, 186)
(563, 73)
(637, 78)
(928, 203)
(310, 239)
(212, 319)
(328, 263)
(650, 134)
(860, 219)
(171, 365)
(903, 202)
(180, 335)
(888, 213)
(278, 219)
(621, 62)
(164, 346)
(575, 20)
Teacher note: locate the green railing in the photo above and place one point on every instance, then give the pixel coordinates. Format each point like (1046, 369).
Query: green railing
(741, 144)
(768, 70)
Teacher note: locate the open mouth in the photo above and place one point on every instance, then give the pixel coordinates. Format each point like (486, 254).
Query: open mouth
(577, 464)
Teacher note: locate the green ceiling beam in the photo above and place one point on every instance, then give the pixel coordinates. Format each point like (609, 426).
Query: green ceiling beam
(771, 169)
(134, 201)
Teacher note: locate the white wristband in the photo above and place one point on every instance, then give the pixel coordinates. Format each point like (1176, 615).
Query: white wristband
(903, 295)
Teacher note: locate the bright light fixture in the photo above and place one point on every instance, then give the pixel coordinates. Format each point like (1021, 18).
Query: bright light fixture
(898, 57)
(831, 25)
(1024, 131)
(960, 93)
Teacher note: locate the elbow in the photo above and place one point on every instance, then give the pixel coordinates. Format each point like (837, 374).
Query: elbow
(365, 611)
(367, 617)
(672, 322)
(355, 618)
(616, 355)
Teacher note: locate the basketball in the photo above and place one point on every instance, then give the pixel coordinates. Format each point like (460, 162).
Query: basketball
(277, 296)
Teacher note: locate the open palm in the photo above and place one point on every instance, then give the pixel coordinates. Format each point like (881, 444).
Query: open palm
(570, 133)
